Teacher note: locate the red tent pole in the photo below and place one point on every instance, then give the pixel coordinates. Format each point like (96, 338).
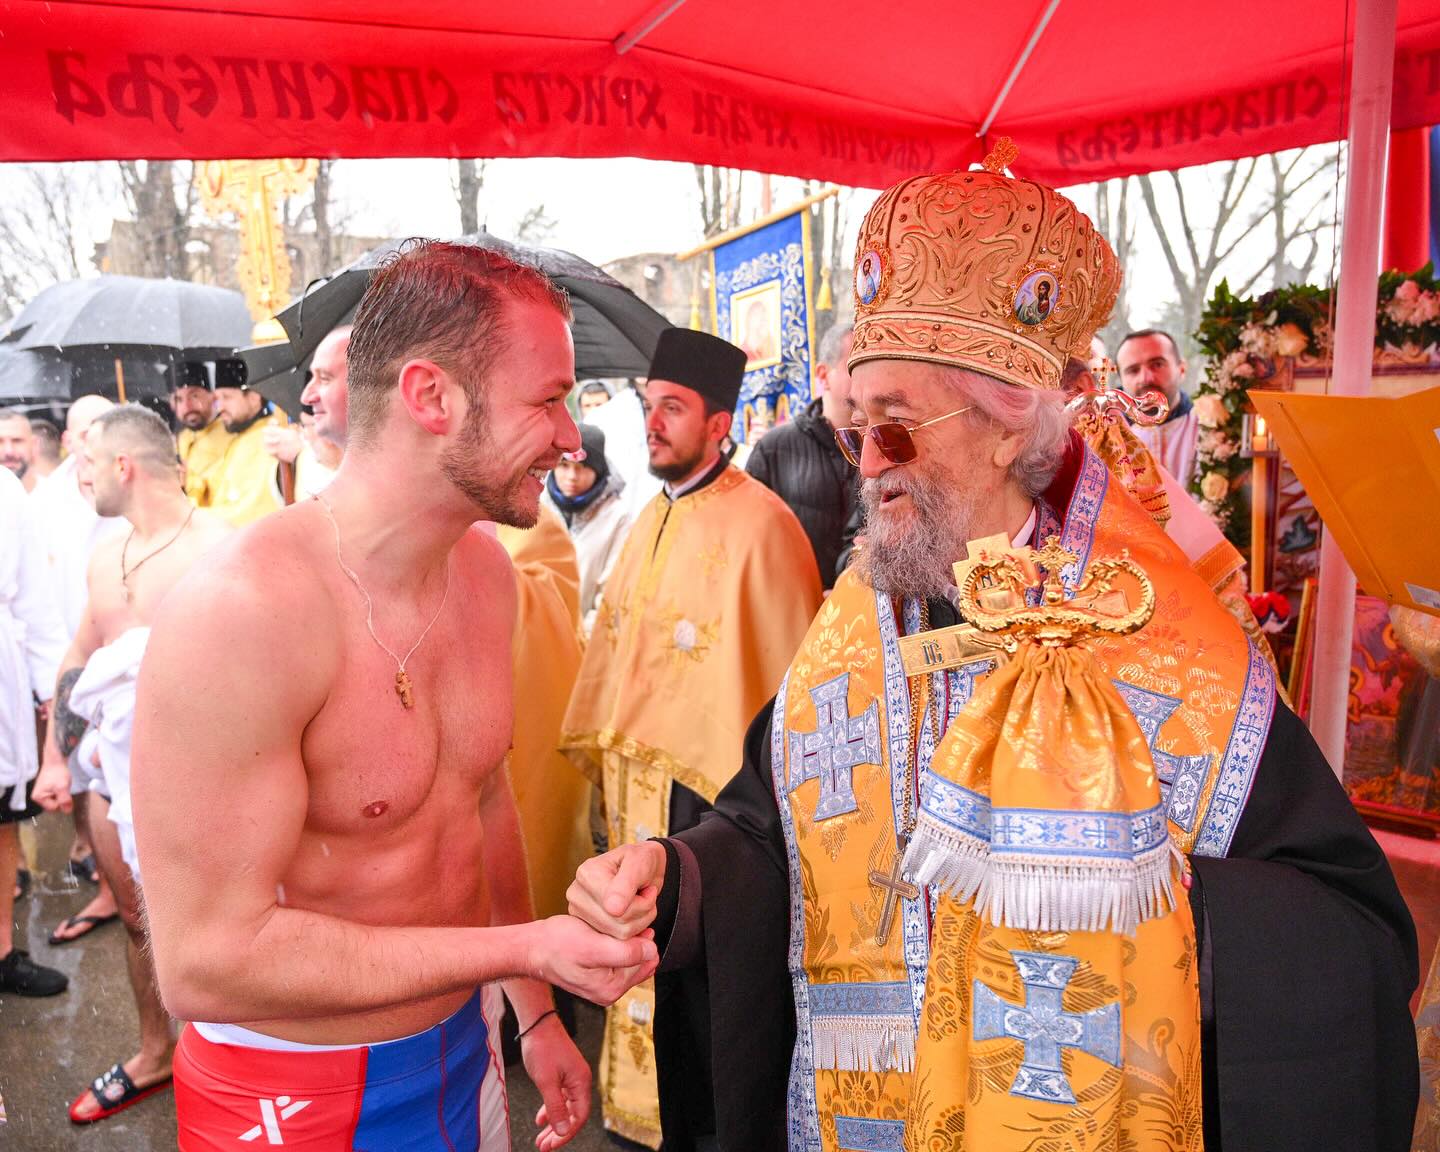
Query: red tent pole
(1407, 201)
(1372, 76)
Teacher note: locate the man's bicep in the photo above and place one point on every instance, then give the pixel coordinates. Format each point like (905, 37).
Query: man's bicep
(219, 785)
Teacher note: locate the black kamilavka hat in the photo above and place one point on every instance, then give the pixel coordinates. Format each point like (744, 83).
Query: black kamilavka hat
(701, 362)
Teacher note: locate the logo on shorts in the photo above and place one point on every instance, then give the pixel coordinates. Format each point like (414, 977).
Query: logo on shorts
(271, 1113)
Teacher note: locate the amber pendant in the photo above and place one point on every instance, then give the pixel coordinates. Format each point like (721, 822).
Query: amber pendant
(403, 688)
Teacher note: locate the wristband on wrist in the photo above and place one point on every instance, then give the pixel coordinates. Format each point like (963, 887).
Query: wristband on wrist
(535, 1023)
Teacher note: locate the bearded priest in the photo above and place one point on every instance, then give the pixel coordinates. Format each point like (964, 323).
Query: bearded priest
(1026, 853)
(712, 592)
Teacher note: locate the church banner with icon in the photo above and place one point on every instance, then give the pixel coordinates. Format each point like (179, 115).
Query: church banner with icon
(760, 301)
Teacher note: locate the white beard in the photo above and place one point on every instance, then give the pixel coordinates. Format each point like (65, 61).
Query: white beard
(916, 558)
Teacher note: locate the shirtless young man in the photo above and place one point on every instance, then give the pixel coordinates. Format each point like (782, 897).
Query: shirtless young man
(129, 456)
(332, 855)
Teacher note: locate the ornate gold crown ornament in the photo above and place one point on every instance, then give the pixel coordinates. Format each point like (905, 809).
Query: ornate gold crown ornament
(981, 271)
(992, 597)
(1096, 407)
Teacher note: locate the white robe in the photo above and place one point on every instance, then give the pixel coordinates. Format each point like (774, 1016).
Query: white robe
(68, 529)
(1173, 444)
(32, 640)
(598, 533)
(105, 696)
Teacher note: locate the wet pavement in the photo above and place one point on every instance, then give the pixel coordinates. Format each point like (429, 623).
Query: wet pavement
(51, 1049)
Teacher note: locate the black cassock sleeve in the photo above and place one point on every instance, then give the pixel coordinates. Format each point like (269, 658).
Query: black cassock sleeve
(1307, 962)
(725, 1025)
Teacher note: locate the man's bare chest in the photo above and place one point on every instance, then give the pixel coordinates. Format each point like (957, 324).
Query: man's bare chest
(370, 757)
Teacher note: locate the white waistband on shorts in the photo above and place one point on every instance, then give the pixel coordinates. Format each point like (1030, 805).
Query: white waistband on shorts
(245, 1038)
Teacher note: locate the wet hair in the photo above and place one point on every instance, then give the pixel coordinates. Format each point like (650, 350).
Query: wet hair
(139, 433)
(442, 302)
(1144, 333)
(833, 342)
(1037, 414)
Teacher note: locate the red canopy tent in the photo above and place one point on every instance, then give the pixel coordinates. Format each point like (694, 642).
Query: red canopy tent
(855, 93)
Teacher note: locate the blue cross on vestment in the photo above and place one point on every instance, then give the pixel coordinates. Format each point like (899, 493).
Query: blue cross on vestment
(839, 743)
(1182, 778)
(1045, 1028)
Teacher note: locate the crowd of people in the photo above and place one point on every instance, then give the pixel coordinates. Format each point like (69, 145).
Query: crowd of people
(650, 725)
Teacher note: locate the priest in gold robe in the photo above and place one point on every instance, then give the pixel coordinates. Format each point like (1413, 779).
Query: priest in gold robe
(201, 439)
(713, 591)
(1026, 853)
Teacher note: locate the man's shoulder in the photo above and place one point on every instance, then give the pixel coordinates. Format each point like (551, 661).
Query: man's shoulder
(764, 509)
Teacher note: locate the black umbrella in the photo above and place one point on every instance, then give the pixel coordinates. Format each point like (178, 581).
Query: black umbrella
(27, 375)
(614, 330)
(125, 336)
(117, 312)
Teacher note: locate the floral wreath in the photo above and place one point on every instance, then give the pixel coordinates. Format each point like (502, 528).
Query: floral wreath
(1244, 340)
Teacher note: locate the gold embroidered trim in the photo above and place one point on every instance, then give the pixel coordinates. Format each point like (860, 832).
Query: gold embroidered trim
(609, 740)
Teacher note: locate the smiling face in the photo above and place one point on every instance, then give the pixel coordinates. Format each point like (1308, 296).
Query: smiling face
(918, 516)
(17, 443)
(193, 407)
(518, 427)
(327, 390)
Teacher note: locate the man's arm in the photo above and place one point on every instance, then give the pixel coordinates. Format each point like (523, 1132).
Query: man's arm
(220, 796)
(554, 1064)
(63, 729)
(507, 875)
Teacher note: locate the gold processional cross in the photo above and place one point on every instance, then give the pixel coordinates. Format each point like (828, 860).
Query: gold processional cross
(252, 190)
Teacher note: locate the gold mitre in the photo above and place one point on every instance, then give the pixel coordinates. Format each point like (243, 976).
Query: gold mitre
(981, 271)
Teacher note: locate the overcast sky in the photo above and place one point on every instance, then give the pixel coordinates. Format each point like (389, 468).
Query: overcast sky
(606, 209)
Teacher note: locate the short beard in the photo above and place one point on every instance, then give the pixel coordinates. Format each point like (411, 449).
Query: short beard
(920, 561)
(195, 421)
(19, 467)
(461, 465)
(672, 473)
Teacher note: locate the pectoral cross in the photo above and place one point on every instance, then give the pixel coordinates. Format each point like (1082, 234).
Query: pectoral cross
(251, 189)
(1102, 373)
(403, 689)
(895, 886)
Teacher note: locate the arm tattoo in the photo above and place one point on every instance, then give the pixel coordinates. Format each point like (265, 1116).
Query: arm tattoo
(68, 726)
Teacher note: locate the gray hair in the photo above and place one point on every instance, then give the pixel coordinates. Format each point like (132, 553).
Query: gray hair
(1038, 415)
(833, 343)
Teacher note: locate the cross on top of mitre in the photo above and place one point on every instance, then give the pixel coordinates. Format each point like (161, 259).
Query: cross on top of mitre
(1001, 156)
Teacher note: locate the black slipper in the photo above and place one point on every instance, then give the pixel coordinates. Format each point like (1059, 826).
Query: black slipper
(114, 1092)
(91, 923)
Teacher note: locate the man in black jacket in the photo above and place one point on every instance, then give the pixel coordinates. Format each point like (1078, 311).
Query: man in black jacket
(801, 463)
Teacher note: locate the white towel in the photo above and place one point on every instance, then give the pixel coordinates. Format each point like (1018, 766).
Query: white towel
(105, 696)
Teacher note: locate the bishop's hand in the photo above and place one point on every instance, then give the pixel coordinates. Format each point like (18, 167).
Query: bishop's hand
(615, 893)
(573, 956)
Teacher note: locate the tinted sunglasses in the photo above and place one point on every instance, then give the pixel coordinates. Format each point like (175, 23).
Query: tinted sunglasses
(892, 439)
